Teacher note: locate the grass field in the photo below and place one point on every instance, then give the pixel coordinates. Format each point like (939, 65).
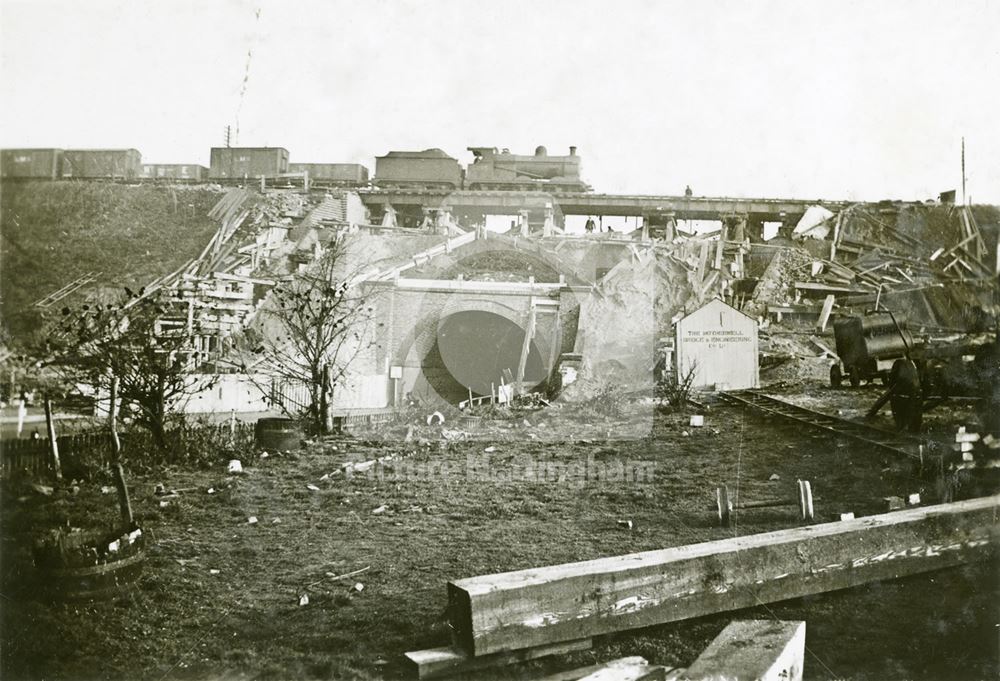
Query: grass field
(182, 619)
(55, 232)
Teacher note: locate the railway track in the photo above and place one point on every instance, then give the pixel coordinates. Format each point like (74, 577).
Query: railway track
(899, 444)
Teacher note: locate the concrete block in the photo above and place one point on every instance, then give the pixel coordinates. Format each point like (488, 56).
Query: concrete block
(754, 650)
(913, 499)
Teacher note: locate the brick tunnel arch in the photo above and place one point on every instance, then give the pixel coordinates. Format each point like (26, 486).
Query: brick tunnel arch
(463, 344)
(534, 259)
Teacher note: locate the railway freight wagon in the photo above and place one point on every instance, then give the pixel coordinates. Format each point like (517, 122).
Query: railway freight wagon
(504, 170)
(344, 174)
(31, 164)
(174, 171)
(247, 162)
(98, 164)
(427, 169)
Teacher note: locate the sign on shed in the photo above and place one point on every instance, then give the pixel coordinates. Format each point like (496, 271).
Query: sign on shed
(719, 344)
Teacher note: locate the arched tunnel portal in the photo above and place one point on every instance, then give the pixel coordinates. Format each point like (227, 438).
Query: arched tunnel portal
(472, 350)
(472, 347)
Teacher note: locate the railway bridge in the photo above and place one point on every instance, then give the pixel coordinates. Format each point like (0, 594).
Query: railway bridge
(656, 211)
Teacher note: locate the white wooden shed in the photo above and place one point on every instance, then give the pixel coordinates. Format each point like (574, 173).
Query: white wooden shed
(720, 343)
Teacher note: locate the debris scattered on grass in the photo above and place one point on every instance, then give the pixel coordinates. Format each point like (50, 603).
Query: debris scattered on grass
(381, 509)
(437, 418)
(312, 487)
(359, 587)
(489, 450)
(697, 420)
(252, 520)
(333, 577)
(303, 600)
(625, 524)
(235, 466)
(774, 477)
(892, 503)
(213, 571)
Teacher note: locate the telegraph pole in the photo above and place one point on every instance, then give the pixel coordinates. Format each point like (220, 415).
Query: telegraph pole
(964, 200)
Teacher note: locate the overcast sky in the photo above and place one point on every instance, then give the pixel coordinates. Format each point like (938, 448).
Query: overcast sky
(839, 100)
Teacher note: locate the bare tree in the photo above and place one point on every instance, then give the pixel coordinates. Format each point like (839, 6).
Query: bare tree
(145, 342)
(311, 329)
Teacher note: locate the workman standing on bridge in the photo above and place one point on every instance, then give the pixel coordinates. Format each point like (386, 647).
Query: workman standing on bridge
(590, 225)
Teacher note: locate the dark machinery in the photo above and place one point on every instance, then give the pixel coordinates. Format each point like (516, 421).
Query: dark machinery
(931, 375)
(918, 376)
(867, 346)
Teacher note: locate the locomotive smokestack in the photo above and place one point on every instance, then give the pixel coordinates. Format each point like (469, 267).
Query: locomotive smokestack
(572, 151)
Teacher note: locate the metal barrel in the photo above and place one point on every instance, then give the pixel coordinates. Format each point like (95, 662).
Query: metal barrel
(279, 434)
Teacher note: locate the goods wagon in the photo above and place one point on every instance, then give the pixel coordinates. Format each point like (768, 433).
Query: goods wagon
(504, 170)
(247, 162)
(42, 164)
(174, 171)
(348, 174)
(102, 164)
(427, 169)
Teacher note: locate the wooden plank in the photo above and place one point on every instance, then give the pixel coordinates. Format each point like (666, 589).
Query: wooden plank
(824, 316)
(529, 335)
(823, 288)
(754, 650)
(702, 261)
(448, 661)
(528, 608)
(825, 349)
(627, 669)
(583, 672)
(707, 284)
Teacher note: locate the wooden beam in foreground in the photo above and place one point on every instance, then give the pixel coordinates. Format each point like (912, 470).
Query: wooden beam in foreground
(753, 650)
(438, 662)
(536, 607)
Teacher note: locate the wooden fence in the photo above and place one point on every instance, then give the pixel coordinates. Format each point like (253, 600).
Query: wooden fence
(82, 450)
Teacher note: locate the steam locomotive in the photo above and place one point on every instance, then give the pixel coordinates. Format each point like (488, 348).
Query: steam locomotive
(433, 169)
